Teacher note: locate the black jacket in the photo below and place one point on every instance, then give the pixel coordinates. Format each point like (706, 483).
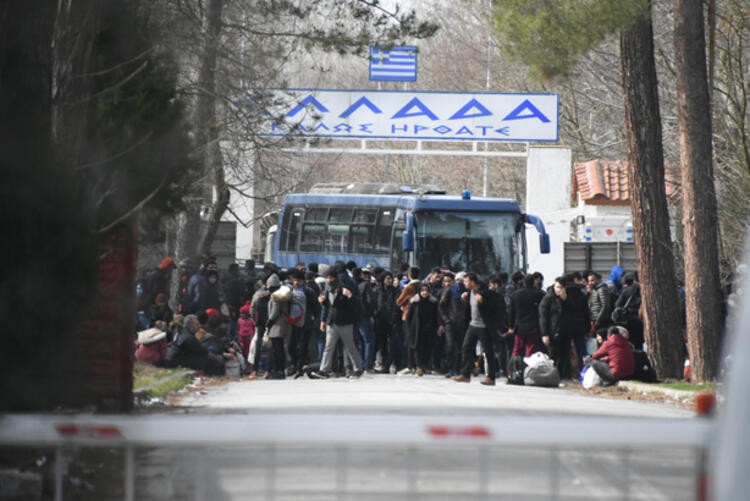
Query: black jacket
(493, 315)
(452, 310)
(626, 293)
(342, 310)
(422, 319)
(524, 309)
(550, 310)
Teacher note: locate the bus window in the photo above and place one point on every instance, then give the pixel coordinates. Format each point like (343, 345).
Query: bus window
(340, 215)
(482, 243)
(361, 239)
(397, 251)
(365, 215)
(313, 235)
(290, 228)
(337, 239)
(316, 214)
(383, 231)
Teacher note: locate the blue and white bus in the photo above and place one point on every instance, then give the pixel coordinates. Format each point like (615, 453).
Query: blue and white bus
(483, 235)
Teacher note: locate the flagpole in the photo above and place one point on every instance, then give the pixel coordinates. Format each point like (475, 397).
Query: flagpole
(489, 55)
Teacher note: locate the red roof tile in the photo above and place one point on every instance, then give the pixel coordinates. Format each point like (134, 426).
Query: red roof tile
(601, 182)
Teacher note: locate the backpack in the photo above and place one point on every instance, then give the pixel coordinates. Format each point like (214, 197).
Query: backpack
(297, 308)
(516, 368)
(642, 368)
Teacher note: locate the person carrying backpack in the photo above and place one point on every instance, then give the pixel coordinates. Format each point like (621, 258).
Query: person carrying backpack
(303, 317)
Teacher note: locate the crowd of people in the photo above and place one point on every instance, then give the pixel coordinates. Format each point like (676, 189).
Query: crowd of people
(344, 320)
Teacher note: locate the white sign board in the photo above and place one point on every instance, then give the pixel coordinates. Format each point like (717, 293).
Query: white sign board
(449, 116)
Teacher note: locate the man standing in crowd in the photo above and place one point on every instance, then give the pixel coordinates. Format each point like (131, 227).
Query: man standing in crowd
(600, 304)
(453, 316)
(483, 306)
(524, 318)
(338, 319)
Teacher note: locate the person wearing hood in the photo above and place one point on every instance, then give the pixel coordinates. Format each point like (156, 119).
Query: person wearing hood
(422, 319)
(278, 328)
(615, 280)
(210, 296)
(338, 319)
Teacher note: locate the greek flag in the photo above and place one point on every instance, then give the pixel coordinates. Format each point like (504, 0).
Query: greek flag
(398, 64)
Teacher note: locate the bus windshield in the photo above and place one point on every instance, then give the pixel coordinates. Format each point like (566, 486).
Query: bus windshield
(479, 242)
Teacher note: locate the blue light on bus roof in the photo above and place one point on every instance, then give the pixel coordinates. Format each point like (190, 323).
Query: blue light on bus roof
(466, 195)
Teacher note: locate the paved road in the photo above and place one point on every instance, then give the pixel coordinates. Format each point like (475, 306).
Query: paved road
(482, 469)
(410, 395)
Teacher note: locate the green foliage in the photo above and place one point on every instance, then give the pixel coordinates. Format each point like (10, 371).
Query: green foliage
(137, 135)
(550, 36)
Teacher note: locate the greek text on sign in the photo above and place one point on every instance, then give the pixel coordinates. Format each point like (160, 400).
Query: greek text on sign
(472, 116)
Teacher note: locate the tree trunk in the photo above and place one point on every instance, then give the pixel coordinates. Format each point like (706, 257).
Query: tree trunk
(702, 289)
(648, 199)
(208, 130)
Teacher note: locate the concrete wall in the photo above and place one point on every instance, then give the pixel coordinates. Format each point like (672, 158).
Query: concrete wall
(549, 185)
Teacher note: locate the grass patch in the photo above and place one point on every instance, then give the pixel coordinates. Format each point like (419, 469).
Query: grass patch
(685, 386)
(158, 381)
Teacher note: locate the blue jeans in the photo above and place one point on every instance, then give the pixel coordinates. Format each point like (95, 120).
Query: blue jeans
(367, 335)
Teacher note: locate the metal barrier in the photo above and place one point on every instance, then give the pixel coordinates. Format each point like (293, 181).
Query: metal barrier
(311, 456)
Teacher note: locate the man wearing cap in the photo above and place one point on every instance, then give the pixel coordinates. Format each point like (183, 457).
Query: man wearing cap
(338, 319)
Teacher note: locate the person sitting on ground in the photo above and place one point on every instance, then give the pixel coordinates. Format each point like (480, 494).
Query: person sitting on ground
(160, 310)
(186, 351)
(613, 361)
(151, 346)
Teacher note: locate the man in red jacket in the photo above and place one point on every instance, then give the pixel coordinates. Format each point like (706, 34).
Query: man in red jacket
(614, 359)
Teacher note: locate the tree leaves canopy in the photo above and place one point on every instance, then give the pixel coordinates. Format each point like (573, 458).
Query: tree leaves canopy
(551, 35)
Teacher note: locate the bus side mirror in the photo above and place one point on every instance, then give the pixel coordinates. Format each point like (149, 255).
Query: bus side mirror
(408, 236)
(544, 245)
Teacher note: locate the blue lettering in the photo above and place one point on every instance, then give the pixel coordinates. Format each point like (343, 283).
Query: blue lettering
(396, 128)
(365, 128)
(342, 127)
(505, 131)
(464, 130)
(481, 111)
(484, 129)
(532, 112)
(419, 128)
(362, 101)
(320, 126)
(309, 100)
(422, 110)
(277, 126)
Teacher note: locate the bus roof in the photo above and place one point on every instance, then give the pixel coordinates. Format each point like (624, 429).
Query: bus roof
(414, 202)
